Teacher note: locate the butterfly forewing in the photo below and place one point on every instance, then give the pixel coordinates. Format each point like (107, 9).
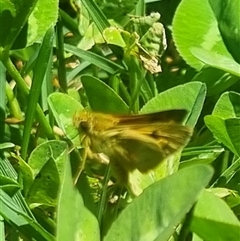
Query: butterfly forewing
(144, 149)
(175, 116)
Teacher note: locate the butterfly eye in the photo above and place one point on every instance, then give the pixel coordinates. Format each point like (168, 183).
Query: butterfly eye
(84, 125)
(154, 134)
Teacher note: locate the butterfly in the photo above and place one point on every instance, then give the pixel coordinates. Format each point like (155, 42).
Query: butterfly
(133, 141)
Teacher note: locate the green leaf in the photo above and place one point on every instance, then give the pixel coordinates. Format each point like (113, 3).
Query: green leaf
(38, 24)
(25, 174)
(7, 13)
(14, 215)
(54, 149)
(228, 105)
(101, 97)
(7, 209)
(84, 19)
(227, 14)
(26, 22)
(176, 98)
(117, 9)
(47, 162)
(95, 59)
(39, 72)
(74, 221)
(231, 197)
(97, 15)
(224, 122)
(194, 25)
(219, 82)
(44, 189)
(8, 185)
(201, 155)
(161, 207)
(230, 176)
(225, 131)
(212, 224)
(63, 108)
(217, 60)
(232, 180)
(14, 15)
(6, 145)
(113, 35)
(91, 37)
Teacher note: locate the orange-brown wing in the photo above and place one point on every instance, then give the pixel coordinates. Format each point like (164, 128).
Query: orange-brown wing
(168, 116)
(146, 147)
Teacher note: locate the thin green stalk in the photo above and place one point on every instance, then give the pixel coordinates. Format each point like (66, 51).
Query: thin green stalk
(152, 84)
(114, 83)
(2, 233)
(140, 9)
(15, 75)
(2, 101)
(60, 53)
(102, 202)
(146, 92)
(97, 15)
(136, 80)
(228, 173)
(69, 22)
(24, 89)
(47, 88)
(185, 230)
(39, 73)
(14, 107)
(124, 93)
(225, 161)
